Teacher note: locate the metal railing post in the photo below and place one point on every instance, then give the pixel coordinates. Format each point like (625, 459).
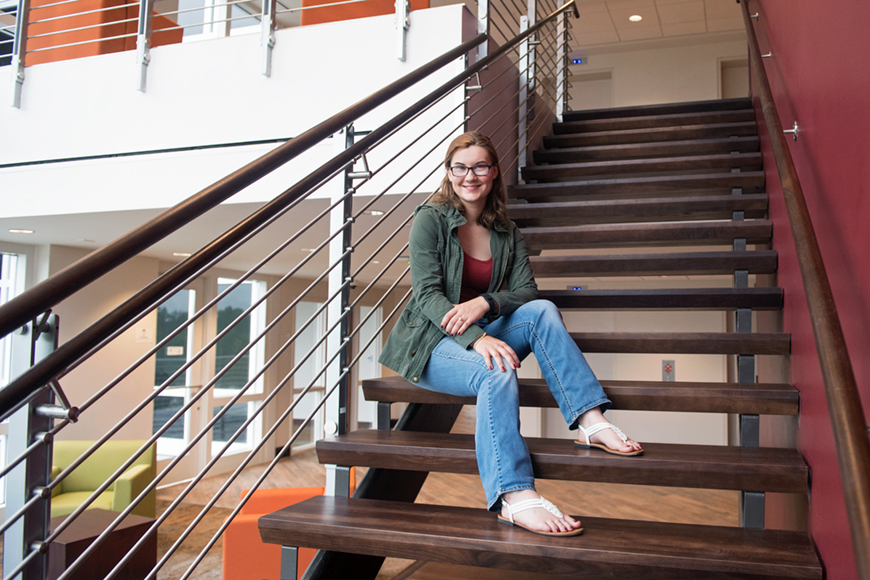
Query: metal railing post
(561, 66)
(337, 478)
(143, 40)
(403, 23)
(29, 479)
(19, 50)
(267, 35)
(483, 27)
(525, 67)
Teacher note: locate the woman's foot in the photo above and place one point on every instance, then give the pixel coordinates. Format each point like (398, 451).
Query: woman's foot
(608, 439)
(536, 519)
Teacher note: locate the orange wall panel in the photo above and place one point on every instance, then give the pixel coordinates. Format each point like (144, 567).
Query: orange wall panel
(351, 11)
(119, 20)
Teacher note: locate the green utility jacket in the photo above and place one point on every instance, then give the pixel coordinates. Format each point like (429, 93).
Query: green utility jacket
(436, 275)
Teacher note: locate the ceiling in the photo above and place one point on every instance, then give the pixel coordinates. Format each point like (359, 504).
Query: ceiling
(607, 23)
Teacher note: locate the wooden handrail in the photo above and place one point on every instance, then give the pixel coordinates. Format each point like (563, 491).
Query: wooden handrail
(844, 402)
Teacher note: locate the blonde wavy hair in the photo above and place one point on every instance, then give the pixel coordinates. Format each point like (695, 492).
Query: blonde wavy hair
(495, 210)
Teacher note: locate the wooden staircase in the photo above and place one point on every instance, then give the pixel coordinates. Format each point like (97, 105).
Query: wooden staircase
(638, 178)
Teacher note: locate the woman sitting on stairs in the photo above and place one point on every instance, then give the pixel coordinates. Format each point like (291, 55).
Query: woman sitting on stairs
(473, 317)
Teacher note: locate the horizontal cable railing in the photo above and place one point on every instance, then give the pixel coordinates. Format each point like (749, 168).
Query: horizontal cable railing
(257, 354)
(844, 402)
(89, 26)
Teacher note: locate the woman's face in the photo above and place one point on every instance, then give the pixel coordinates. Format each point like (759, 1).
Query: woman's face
(471, 188)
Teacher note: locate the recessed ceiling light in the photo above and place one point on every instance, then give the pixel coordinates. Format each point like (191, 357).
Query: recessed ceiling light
(374, 212)
(181, 254)
(19, 231)
(87, 241)
(635, 17)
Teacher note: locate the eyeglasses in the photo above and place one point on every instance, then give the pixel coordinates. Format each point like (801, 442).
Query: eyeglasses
(461, 171)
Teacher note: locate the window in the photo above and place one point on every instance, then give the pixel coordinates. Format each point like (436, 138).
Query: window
(172, 315)
(239, 366)
(10, 278)
(229, 308)
(307, 372)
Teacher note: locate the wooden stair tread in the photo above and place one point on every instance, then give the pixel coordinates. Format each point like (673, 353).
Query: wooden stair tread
(672, 465)
(707, 207)
(684, 263)
(755, 399)
(660, 109)
(474, 537)
(655, 120)
(746, 144)
(647, 185)
(675, 133)
(743, 161)
(646, 234)
(666, 299)
(775, 343)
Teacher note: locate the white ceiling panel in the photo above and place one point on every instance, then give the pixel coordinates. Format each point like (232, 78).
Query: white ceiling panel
(640, 33)
(594, 23)
(722, 9)
(682, 12)
(722, 25)
(684, 28)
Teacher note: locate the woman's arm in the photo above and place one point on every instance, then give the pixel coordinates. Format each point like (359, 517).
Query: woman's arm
(519, 284)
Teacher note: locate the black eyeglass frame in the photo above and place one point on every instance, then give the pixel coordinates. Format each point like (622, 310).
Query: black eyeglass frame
(473, 169)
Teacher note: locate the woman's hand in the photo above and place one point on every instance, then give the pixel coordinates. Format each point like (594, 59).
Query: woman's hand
(461, 316)
(495, 351)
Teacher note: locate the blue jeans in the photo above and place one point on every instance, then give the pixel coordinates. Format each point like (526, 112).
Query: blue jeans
(502, 455)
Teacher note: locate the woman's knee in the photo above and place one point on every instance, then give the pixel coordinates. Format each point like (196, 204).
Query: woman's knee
(544, 309)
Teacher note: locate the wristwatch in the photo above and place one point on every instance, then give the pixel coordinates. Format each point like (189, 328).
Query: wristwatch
(492, 314)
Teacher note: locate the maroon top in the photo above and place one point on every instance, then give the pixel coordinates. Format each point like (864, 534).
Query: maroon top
(476, 276)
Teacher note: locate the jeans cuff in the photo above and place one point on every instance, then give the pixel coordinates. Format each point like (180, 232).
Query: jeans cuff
(495, 505)
(604, 403)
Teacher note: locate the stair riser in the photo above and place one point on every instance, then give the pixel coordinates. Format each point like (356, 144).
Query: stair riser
(683, 343)
(651, 135)
(750, 181)
(686, 300)
(654, 121)
(636, 210)
(697, 264)
(743, 162)
(660, 109)
(643, 151)
(538, 239)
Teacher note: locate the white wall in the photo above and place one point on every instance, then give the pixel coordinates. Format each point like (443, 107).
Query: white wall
(80, 311)
(644, 74)
(200, 93)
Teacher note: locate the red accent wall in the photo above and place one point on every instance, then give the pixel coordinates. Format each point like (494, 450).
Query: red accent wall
(820, 76)
(116, 22)
(351, 11)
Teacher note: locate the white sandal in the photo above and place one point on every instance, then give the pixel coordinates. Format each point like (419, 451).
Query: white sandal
(531, 504)
(600, 427)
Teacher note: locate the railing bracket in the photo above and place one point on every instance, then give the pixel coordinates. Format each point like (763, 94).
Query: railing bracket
(476, 87)
(793, 132)
(365, 173)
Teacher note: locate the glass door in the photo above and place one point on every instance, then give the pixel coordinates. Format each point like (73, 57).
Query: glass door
(237, 366)
(172, 315)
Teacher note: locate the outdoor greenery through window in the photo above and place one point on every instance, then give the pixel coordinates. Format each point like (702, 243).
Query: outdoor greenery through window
(172, 315)
(229, 308)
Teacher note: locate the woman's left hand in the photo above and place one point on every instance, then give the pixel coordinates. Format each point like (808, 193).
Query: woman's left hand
(461, 316)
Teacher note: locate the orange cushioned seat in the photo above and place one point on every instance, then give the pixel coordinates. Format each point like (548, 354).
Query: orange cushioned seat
(246, 557)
